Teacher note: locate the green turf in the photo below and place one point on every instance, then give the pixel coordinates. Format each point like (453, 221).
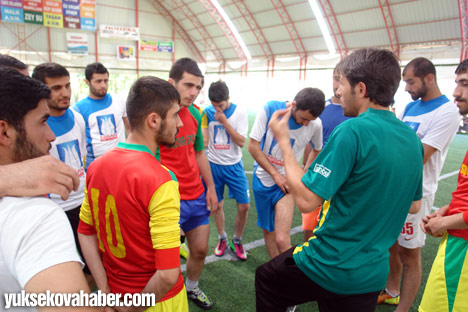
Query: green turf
(231, 284)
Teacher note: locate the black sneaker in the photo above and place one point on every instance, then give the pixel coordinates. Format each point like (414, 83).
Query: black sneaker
(200, 299)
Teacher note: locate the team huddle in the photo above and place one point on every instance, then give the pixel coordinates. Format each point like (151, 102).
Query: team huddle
(138, 180)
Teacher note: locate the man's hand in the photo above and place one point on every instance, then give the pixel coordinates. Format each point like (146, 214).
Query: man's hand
(211, 200)
(281, 181)
(220, 117)
(38, 176)
(279, 124)
(434, 225)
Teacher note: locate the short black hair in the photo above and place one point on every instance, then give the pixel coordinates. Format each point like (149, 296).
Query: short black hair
(310, 99)
(462, 67)
(184, 65)
(11, 62)
(147, 95)
(19, 94)
(218, 91)
(378, 69)
(421, 67)
(49, 70)
(97, 68)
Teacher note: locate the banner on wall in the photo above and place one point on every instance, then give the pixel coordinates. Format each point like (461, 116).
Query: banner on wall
(166, 46)
(77, 14)
(125, 53)
(119, 32)
(77, 43)
(148, 45)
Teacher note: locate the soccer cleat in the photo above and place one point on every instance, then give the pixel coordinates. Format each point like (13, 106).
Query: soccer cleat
(386, 297)
(220, 248)
(238, 249)
(200, 299)
(184, 252)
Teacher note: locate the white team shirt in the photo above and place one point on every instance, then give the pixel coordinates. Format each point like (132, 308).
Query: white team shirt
(299, 136)
(70, 147)
(221, 149)
(436, 123)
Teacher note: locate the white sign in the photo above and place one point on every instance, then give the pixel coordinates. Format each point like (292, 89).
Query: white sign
(77, 43)
(119, 32)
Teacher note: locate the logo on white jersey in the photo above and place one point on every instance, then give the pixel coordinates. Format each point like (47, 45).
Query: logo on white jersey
(221, 139)
(69, 153)
(322, 170)
(413, 125)
(107, 127)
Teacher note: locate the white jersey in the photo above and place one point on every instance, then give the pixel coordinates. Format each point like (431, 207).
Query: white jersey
(104, 124)
(34, 235)
(70, 147)
(299, 136)
(221, 149)
(436, 123)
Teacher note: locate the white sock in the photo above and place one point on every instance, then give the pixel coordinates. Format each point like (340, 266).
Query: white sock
(190, 285)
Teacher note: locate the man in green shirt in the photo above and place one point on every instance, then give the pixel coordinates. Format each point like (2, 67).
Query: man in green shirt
(370, 172)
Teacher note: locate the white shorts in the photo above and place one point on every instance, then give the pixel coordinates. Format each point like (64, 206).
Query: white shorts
(411, 235)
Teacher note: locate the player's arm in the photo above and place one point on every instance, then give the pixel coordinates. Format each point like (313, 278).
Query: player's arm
(260, 158)
(428, 152)
(439, 224)
(65, 277)
(311, 157)
(306, 200)
(90, 249)
(38, 176)
(206, 137)
(235, 136)
(205, 170)
(415, 206)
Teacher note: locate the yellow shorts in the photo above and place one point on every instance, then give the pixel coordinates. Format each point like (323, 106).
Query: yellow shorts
(178, 303)
(447, 285)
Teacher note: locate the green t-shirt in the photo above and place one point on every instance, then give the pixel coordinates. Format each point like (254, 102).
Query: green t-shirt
(371, 171)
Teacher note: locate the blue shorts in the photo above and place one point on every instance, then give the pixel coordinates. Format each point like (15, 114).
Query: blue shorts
(265, 201)
(193, 213)
(234, 177)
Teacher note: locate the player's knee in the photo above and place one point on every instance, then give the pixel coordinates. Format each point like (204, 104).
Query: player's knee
(243, 208)
(199, 252)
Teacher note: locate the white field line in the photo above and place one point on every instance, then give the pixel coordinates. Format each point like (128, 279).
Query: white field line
(260, 242)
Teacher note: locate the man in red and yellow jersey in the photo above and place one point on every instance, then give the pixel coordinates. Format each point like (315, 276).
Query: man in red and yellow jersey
(129, 227)
(447, 283)
(187, 159)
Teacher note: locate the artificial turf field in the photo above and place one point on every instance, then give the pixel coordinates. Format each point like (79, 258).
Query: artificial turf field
(231, 283)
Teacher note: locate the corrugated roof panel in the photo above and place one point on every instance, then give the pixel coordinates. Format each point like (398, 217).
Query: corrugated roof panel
(431, 32)
(373, 38)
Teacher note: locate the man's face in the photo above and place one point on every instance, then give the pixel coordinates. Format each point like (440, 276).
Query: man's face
(169, 126)
(189, 88)
(461, 93)
(348, 97)
(220, 106)
(34, 139)
(302, 117)
(98, 85)
(61, 93)
(336, 82)
(415, 86)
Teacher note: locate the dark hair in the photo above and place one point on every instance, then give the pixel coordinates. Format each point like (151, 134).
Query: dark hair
(218, 91)
(421, 67)
(19, 94)
(49, 70)
(147, 95)
(310, 99)
(462, 67)
(97, 68)
(378, 69)
(11, 62)
(184, 65)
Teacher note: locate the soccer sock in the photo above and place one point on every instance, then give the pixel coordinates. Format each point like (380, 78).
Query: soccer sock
(182, 239)
(392, 294)
(190, 285)
(222, 236)
(236, 239)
